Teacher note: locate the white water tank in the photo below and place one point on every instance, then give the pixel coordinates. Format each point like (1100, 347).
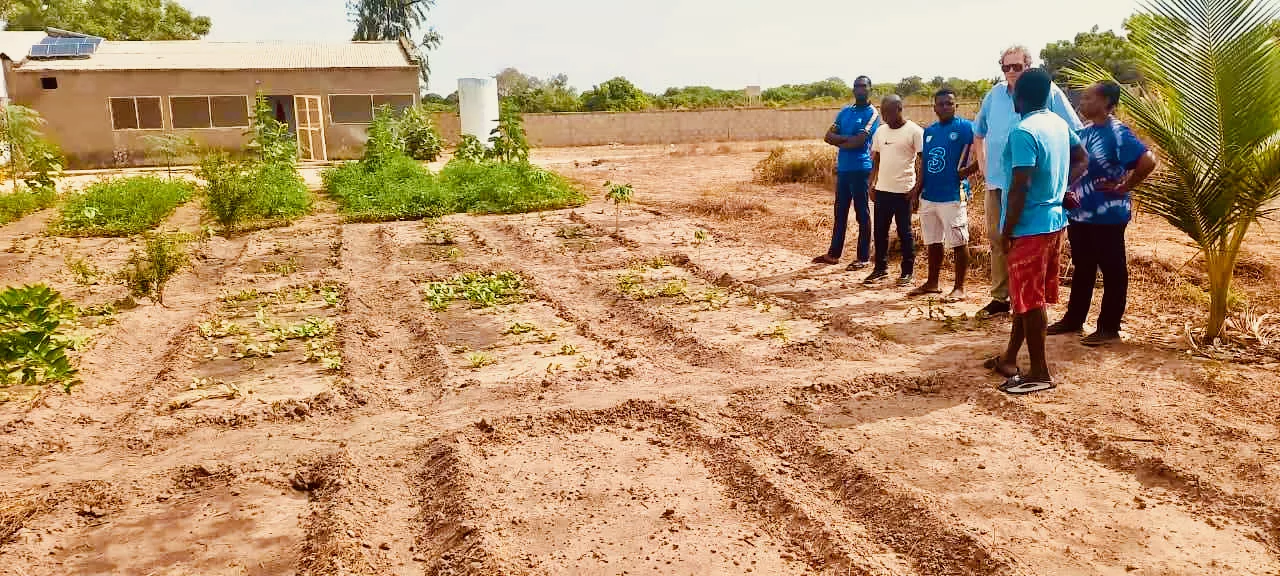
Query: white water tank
(478, 106)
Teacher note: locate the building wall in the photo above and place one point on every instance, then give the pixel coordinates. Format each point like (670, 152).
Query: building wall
(683, 126)
(79, 115)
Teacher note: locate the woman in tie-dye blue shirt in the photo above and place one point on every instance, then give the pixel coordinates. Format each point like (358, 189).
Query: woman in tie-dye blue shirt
(1099, 211)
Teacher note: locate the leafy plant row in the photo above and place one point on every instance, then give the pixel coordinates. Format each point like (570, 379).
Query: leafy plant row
(389, 184)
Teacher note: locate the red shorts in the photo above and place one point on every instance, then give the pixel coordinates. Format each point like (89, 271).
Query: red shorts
(1033, 271)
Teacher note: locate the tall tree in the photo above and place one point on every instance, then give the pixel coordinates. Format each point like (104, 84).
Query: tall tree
(617, 94)
(910, 86)
(1211, 106)
(110, 19)
(393, 20)
(1105, 49)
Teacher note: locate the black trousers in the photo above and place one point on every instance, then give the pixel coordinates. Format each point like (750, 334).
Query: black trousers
(1098, 247)
(891, 207)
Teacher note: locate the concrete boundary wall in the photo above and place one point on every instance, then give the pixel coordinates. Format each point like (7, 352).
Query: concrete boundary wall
(682, 126)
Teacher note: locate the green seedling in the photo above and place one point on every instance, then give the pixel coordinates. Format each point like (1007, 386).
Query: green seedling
(518, 328)
(570, 232)
(715, 298)
(673, 288)
(332, 295)
(481, 290)
(780, 332)
(619, 194)
(478, 360)
(568, 350)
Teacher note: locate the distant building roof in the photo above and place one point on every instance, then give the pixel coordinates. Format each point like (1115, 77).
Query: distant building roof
(16, 45)
(204, 55)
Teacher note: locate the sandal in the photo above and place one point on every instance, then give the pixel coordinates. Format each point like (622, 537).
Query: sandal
(1019, 386)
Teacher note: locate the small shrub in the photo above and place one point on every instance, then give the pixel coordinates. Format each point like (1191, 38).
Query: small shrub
(619, 194)
(421, 139)
(384, 139)
(470, 149)
(228, 190)
(122, 206)
(148, 271)
(24, 201)
(506, 188)
(168, 147)
(400, 189)
(33, 337)
(508, 142)
(280, 193)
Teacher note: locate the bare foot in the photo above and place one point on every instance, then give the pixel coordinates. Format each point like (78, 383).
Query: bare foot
(926, 289)
(956, 295)
(826, 259)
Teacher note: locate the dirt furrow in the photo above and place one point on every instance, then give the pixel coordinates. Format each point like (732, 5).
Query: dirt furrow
(728, 515)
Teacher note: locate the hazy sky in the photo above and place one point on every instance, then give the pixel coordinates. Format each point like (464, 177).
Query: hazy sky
(721, 43)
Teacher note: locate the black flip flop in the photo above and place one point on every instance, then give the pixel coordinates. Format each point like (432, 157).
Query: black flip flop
(1019, 386)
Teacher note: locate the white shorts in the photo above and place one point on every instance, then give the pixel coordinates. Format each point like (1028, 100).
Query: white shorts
(944, 223)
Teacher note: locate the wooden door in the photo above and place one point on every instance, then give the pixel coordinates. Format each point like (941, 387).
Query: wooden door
(310, 120)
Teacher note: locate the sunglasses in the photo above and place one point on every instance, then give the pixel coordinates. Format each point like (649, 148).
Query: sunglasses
(1012, 67)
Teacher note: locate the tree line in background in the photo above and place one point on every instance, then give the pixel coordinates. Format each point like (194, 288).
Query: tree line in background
(531, 94)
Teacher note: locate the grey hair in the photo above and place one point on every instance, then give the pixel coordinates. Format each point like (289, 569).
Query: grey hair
(891, 99)
(1018, 49)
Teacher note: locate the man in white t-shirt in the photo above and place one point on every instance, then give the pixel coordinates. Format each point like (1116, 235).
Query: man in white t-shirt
(895, 185)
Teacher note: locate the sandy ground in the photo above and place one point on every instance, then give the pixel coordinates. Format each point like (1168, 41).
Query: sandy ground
(757, 414)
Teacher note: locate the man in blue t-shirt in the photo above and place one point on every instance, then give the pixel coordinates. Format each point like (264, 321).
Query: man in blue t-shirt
(944, 217)
(991, 128)
(1100, 210)
(851, 133)
(1045, 156)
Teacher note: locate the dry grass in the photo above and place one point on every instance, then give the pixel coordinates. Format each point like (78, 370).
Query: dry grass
(730, 205)
(813, 164)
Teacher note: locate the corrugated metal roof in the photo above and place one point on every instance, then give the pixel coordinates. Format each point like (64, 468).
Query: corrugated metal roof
(16, 45)
(203, 55)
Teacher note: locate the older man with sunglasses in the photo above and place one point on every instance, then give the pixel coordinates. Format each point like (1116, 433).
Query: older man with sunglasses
(995, 122)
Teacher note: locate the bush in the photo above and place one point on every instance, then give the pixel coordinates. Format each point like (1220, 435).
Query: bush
(228, 190)
(122, 206)
(507, 188)
(814, 165)
(280, 193)
(147, 272)
(33, 339)
(470, 150)
(400, 189)
(17, 204)
(421, 139)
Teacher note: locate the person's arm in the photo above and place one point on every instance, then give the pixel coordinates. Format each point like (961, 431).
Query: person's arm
(875, 175)
(833, 138)
(1024, 155)
(1143, 168)
(1079, 164)
(1017, 201)
(980, 127)
(915, 190)
(917, 142)
(968, 165)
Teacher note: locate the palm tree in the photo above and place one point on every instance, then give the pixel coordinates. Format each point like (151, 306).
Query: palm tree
(1211, 106)
(393, 20)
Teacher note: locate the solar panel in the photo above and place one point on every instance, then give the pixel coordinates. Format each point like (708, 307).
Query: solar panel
(66, 47)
